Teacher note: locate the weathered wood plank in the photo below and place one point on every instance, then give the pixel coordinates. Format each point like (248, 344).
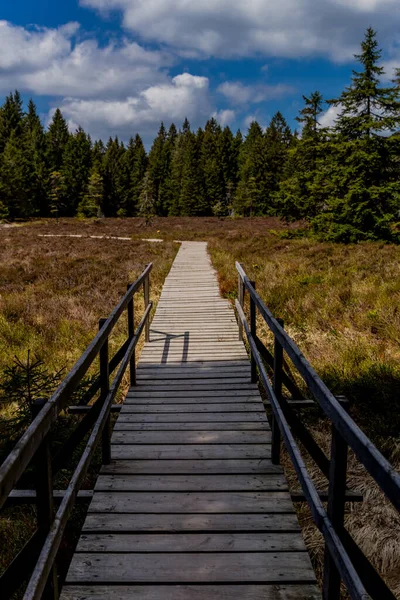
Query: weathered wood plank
(200, 417)
(164, 451)
(171, 568)
(131, 523)
(191, 483)
(192, 592)
(201, 542)
(122, 425)
(192, 467)
(191, 437)
(246, 407)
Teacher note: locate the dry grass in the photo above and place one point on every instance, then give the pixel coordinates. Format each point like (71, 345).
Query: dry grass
(52, 293)
(340, 304)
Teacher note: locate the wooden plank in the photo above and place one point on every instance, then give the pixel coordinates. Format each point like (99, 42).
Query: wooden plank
(182, 418)
(174, 567)
(201, 542)
(196, 365)
(190, 483)
(192, 592)
(161, 452)
(192, 467)
(246, 407)
(193, 393)
(131, 523)
(138, 400)
(122, 425)
(191, 502)
(191, 437)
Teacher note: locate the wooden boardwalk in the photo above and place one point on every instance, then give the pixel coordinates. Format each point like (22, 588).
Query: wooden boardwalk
(191, 506)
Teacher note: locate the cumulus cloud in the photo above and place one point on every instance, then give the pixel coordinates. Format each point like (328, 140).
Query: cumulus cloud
(224, 117)
(52, 62)
(184, 95)
(229, 28)
(238, 93)
(329, 117)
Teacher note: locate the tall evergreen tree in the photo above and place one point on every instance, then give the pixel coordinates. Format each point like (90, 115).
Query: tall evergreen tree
(17, 179)
(11, 118)
(77, 162)
(362, 190)
(56, 138)
(212, 167)
(113, 177)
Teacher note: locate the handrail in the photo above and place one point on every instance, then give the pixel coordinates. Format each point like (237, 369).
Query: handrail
(349, 563)
(19, 458)
(36, 436)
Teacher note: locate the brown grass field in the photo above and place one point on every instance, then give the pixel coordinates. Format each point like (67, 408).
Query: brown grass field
(340, 304)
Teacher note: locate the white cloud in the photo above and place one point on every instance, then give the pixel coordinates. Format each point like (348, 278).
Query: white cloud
(52, 62)
(184, 95)
(224, 117)
(328, 118)
(229, 28)
(238, 93)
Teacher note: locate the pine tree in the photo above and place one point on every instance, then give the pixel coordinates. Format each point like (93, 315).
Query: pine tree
(113, 177)
(57, 189)
(34, 136)
(191, 201)
(147, 199)
(17, 179)
(212, 167)
(158, 168)
(77, 160)
(56, 139)
(11, 118)
(90, 205)
(299, 196)
(251, 159)
(362, 191)
(166, 191)
(366, 107)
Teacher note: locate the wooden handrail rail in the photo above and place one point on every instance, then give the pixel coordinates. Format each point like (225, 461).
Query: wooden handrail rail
(20, 457)
(377, 465)
(344, 560)
(35, 439)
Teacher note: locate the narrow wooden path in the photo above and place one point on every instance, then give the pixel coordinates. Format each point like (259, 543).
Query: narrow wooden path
(191, 507)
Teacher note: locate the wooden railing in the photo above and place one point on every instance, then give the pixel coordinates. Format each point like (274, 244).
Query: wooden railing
(343, 560)
(37, 559)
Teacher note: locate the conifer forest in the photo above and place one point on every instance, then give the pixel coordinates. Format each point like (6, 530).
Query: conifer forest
(343, 180)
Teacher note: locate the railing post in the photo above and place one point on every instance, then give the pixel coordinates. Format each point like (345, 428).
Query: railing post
(44, 497)
(253, 330)
(131, 333)
(335, 510)
(277, 385)
(104, 389)
(241, 302)
(146, 293)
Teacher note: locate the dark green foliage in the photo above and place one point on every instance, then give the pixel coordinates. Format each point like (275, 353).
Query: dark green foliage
(77, 160)
(25, 382)
(57, 138)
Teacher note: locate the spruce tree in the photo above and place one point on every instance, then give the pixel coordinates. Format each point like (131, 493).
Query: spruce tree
(113, 177)
(251, 159)
(158, 167)
(11, 118)
(77, 161)
(299, 196)
(56, 141)
(17, 179)
(57, 190)
(212, 168)
(90, 205)
(362, 186)
(147, 199)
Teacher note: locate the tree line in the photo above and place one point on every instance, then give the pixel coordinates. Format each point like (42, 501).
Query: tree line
(343, 179)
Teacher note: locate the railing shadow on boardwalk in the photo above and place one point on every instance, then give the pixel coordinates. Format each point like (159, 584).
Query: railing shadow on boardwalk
(168, 337)
(344, 561)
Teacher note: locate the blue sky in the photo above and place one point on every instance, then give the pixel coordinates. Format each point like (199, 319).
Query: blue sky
(122, 66)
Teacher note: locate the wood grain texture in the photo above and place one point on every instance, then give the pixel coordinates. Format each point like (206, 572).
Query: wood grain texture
(202, 568)
(192, 592)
